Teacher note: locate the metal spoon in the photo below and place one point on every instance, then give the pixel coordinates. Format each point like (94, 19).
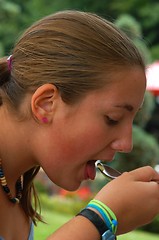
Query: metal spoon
(109, 172)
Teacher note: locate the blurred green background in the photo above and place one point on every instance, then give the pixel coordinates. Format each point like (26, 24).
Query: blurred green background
(140, 20)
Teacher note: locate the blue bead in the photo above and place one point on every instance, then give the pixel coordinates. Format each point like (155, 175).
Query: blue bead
(114, 222)
(6, 189)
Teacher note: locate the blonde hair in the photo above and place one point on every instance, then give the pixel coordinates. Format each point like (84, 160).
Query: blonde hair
(70, 49)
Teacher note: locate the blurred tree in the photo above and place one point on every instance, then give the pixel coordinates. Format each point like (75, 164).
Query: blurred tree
(133, 29)
(155, 52)
(26, 12)
(8, 27)
(145, 114)
(145, 11)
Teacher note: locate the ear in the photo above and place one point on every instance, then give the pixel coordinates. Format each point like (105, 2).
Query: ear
(42, 102)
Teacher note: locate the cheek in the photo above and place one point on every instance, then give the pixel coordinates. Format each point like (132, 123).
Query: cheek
(79, 146)
(75, 144)
(90, 140)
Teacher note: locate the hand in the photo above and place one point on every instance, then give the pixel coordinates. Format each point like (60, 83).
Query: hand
(133, 197)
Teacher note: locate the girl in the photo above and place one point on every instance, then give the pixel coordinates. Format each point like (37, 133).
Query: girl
(68, 95)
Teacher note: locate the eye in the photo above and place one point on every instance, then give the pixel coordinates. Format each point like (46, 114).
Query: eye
(111, 121)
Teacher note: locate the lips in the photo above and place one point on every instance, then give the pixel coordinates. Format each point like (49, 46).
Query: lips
(90, 170)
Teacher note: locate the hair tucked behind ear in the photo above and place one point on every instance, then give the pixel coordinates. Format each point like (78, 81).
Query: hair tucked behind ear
(71, 50)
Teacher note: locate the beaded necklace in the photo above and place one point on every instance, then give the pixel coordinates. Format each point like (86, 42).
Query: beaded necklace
(19, 186)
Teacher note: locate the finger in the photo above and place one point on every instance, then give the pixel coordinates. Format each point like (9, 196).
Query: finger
(145, 174)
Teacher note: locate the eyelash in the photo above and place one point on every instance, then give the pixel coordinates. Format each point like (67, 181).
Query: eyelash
(111, 121)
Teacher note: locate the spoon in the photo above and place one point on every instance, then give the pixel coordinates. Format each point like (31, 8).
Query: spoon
(109, 172)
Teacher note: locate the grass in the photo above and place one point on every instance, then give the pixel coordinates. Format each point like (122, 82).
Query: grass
(138, 235)
(55, 220)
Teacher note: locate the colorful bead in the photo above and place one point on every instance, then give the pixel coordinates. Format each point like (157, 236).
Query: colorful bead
(19, 186)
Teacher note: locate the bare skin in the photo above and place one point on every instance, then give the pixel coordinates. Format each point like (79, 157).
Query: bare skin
(142, 181)
(13, 217)
(102, 119)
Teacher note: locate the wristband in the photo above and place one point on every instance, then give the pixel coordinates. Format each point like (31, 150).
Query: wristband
(110, 216)
(102, 213)
(97, 221)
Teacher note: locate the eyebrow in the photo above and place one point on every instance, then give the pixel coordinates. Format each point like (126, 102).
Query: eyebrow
(126, 106)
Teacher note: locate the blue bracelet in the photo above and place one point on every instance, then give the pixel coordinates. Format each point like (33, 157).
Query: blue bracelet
(106, 213)
(104, 216)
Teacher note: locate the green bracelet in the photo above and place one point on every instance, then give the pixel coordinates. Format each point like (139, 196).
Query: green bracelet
(110, 214)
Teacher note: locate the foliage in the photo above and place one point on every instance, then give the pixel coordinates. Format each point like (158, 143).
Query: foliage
(8, 28)
(64, 201)
(152, 227)
(41, 188)
(145, 114)
(99, 182)
(145, 11)
(17, 15)
(155, 52)
(129, 25)
(138, 235)
(143, 49)
(64, 205)
(132, 28)
(53, 221)
(83, 193)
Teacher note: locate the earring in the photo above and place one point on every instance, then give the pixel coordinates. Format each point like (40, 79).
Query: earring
(44, 120)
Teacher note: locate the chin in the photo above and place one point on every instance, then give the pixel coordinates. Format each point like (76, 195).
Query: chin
(71, 187)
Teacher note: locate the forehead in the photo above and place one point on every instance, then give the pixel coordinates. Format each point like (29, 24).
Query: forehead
(124, 90)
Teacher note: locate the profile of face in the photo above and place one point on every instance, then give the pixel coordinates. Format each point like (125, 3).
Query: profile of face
(94, 128)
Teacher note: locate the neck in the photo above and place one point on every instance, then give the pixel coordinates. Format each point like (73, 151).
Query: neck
(13, 145)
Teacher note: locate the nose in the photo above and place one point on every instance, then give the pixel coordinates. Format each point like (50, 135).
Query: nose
(124, 141)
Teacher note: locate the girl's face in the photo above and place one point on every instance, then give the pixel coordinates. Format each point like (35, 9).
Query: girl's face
(95, 128)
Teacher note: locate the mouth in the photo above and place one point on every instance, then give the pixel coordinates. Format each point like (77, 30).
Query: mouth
(90, 170)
